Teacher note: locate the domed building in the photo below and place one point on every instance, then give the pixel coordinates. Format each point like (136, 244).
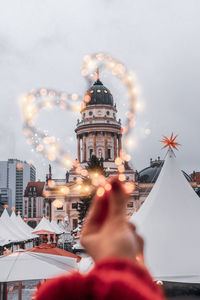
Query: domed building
(98, 133)
(151, 173)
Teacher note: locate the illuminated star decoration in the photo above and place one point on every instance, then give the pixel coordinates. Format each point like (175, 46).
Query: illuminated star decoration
(171, 142)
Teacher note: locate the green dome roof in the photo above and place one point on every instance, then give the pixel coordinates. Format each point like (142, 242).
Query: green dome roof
(99, 94)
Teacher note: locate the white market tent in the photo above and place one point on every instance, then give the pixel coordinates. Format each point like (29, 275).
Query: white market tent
(25, 226)
(19, 228)
(22, 265)
(7, 234)
(11, 231)
(57, 229)
(44, 226)
(169, 222)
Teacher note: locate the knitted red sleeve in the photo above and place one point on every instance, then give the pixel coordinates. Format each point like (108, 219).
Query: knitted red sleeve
(113, 279)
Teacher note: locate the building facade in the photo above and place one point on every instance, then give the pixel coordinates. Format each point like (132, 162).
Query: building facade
(98, 133)
(5, 198)
(14, 175)
(34, 205)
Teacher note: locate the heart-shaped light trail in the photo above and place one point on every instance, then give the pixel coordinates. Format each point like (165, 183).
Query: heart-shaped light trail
(45, 98)
(39, 140)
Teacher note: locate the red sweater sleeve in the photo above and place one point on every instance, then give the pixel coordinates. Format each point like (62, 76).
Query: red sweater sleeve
(115, 279)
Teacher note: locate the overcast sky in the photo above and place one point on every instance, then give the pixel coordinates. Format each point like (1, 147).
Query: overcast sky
(42, 44)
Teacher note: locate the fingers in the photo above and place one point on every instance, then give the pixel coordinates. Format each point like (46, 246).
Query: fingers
(140, 243)
(117, 200)
(96, 215)
(106, 208)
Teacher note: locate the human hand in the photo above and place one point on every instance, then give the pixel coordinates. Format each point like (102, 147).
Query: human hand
(106, 232)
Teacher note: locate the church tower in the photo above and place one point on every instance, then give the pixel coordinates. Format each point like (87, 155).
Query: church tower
(99, 131)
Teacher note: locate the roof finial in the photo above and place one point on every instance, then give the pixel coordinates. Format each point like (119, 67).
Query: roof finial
(97, 73)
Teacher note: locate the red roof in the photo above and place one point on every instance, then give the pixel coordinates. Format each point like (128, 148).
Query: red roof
(52, 249)
(39, 185)
(40, 232)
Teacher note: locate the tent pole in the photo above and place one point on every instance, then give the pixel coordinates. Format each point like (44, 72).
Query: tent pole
(20, 290)
(5, 295)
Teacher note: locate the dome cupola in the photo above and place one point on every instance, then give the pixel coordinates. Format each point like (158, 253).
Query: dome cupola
(98, 94)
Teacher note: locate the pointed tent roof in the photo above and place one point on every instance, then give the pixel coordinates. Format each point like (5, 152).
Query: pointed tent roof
(169, 221)
(44, 227)
(7, 236)
(15, 234)
(19, 228)
(56, 227)
(25, 226)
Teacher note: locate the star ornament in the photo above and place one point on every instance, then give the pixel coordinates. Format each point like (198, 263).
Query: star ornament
(170, 142)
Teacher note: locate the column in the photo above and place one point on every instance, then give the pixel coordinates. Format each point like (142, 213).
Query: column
(84, 148)
(115, 146)
(119, 144)
(95, 143)
(106, 146)
(79, 150)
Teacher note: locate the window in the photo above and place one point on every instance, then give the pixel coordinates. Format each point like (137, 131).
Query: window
(100, 153)
(90, 113)
(29, 207)
(74, 205)
(34, 207)
(91, 152)
(74, 223)
(109, 153)
(130, 204)
(59, 208)
(25, 207)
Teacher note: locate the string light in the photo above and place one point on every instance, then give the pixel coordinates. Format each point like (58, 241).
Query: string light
(43, 98)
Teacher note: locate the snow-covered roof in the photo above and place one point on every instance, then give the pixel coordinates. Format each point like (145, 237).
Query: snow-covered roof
(169, 222)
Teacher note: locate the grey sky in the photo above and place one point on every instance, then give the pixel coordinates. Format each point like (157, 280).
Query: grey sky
(42, 44)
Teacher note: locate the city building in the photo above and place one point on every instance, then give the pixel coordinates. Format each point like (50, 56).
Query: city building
(34, 206)
(99, 133)
(5, 198)
(14, 175)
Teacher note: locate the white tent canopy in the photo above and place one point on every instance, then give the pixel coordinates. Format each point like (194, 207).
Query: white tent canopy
(44, 225)
(19, 228)
(25, 226)
(12, 231)
(22, 265)
(8, 227)
(169, 221)
(57, 229)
